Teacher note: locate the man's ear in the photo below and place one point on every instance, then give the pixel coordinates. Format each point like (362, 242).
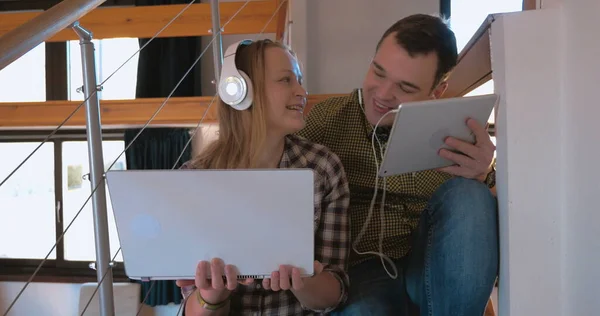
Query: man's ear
(439, 90)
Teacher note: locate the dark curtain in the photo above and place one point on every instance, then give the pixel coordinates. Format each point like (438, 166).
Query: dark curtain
(158, 149)
(162, 63)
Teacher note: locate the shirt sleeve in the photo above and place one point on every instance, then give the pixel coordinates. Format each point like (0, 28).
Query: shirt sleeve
(332, 239)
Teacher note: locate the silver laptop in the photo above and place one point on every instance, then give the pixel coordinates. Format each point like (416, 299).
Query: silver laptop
(420, 129)
(169, 220)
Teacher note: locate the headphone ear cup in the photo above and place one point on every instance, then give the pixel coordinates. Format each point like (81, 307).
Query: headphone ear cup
(246, 102)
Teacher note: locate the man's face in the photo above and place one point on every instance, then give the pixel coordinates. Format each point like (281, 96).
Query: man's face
(394, 77)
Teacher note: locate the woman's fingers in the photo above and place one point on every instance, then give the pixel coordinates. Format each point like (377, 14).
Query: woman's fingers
(247, 281)
(209, 275)
(201, 279)
(216, 274)
(284, 277)
(297, 282)
(231, 277)
(266, 283)
(275, 281)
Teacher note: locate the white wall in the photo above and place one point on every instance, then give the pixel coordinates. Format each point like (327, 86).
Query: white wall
(581, 108)
(547, 159)
(529, 190)
(334, 47)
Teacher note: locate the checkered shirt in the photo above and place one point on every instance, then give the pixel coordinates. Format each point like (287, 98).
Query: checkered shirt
(332, 232)
(340, 124)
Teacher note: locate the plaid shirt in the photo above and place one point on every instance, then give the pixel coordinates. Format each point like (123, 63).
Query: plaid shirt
(332, 238)
(340, 124)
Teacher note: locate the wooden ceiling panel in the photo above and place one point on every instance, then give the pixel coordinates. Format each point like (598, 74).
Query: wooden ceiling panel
(146, 21)
(180, 111)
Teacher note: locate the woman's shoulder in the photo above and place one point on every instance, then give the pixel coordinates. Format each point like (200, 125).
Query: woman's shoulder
(304, 153)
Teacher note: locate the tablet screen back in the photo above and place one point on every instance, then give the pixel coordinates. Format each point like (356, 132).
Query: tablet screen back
(420, 129)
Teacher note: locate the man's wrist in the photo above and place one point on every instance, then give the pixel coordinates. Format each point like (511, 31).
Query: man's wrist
(490, 177)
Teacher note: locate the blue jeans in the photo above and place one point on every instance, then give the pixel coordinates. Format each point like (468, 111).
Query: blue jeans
(451, 268)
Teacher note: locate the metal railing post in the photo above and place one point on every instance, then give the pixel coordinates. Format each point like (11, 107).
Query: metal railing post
(96, 160)
(217, 43)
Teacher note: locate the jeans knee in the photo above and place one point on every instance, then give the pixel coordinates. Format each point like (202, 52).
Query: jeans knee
(464, 195)
(358, 308)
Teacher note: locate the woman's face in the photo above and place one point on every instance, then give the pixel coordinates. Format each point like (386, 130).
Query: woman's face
(285, 95)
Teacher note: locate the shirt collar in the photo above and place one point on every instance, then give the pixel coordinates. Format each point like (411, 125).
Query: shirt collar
(382, 133)
(285, 158)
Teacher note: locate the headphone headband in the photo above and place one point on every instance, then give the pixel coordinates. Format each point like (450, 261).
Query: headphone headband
(235, 87)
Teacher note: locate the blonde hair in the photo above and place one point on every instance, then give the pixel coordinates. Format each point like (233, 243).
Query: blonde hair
(242, 134)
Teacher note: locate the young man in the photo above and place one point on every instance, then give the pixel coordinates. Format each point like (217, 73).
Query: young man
(440, 226)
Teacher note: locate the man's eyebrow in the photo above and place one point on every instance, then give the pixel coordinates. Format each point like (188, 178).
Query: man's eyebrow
(401, 83)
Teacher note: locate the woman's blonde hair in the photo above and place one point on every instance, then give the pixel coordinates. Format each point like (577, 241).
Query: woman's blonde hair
(241, 133)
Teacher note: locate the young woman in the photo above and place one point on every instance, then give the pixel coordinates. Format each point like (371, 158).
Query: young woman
(261, 136)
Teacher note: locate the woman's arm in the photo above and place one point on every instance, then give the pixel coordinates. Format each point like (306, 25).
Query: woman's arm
(328, 289)
(203, 296)
(193, 307)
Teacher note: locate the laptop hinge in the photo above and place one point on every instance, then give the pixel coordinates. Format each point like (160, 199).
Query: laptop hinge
(145, 279)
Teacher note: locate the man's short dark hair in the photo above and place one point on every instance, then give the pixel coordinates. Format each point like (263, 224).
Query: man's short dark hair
(423, 34)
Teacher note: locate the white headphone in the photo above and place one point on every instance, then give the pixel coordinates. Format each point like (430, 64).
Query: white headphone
(235, 87)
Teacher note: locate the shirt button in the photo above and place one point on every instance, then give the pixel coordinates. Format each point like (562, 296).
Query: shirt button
(258, 286)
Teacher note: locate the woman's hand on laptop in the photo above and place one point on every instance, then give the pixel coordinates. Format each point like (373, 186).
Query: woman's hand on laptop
(215, 289)
(317, 292)
(289, 278)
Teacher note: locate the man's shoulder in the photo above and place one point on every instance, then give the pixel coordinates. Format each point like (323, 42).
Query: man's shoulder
(324, 116)
(333, 105)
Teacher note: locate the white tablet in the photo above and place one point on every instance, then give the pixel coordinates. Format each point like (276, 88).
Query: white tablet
(420, 129)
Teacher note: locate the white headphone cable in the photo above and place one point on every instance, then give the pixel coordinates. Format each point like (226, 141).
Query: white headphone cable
(380, 253)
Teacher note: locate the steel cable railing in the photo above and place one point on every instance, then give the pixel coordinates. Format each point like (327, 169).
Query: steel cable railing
(97, 185)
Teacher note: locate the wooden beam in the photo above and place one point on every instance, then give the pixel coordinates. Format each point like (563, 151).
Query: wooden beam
(180, 111)
(529, 5)
(474, 66)
(282, 17)
(146, 21)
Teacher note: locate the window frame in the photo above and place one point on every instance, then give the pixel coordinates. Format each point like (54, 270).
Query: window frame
(59, 269)
(57, 88)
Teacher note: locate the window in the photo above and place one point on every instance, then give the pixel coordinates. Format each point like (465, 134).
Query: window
(40, 200)
(79, 240)
(24, 80)
(27, 202)
(467, 16)
(109, 55)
